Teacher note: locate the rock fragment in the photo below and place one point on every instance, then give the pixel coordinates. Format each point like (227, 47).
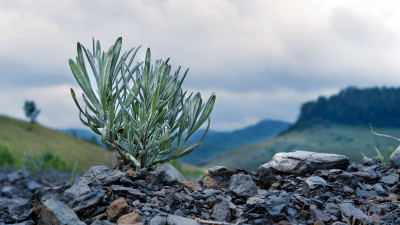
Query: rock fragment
(116, 208)
(43, 194)
(85, 205)
(165, 173)
(349, 210)
(100, 175)
(130, 218)
(302, 162)
(266, 178)
(158, 220)
(179, 220)
(54, 211)
(76, 191)
(367, 161)
(127, 192)
(217, 177)
(243, 185)
(221, 212)
(319, 214)
(390, 179)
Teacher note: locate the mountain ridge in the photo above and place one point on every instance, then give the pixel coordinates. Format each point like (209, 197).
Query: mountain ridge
(322, 127)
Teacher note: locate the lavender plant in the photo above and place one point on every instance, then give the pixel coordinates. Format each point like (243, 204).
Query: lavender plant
(139, 109)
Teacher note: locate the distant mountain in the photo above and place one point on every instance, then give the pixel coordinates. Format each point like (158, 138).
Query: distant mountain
(86, 135)
(353, 106)
(338, 124)
(217, 143)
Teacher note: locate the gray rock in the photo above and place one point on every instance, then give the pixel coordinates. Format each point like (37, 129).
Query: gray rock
(242, 185)
(12, 204)
(365, 194)
(16, 175)
(28, 222)
(56, 212)
(301, 162)
(378, 188)
(376, 160)
(76, 191)
(100, 175)
(315, 181)
(127, 182)
(7, 191)
(266, 178)
(312, 183)
(33, 185)
(222, 212)
(390, 179)
(367, 161)
(188, 198)
(178, 212)
(158, 220)
(318, 214)
(178, 220)
(102, 222)
(143, 173)
(217, 177)
(275, 205)
(254, 201)
(165, 173)
(84, 205)
(352, 168)
(125, 191)
(365, 175)
(161, 193)
(348, 189)
(43, 194)
(350, 210)
(333, 209)
(395, 158)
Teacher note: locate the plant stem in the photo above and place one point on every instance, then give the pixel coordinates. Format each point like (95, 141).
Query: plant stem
(143, 158)
(126, 161)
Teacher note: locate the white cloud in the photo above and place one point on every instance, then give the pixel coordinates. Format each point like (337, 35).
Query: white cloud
(57, 109)
(271, 55)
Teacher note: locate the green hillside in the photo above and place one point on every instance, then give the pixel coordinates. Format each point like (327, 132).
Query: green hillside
(15, 133)
(328, 138)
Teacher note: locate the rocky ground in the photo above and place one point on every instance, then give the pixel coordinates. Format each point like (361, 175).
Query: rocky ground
(293, 188)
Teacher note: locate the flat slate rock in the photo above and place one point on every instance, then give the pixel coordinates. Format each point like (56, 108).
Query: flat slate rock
(43, 194)
(350, 210)
(302, 162)
(56, 212)
(243, 185)
(76, 191)
(100, 175)
(179, 220)
(166, 174)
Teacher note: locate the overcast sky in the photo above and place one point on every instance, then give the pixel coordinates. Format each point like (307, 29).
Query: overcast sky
(263, 59)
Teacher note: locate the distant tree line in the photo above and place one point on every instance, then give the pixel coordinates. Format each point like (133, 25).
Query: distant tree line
(353, 106)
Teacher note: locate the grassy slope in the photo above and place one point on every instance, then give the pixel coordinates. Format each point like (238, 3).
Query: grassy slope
(15, 133)
(340, 139)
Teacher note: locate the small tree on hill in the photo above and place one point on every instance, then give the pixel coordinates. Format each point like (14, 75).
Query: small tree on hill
(31, 112)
